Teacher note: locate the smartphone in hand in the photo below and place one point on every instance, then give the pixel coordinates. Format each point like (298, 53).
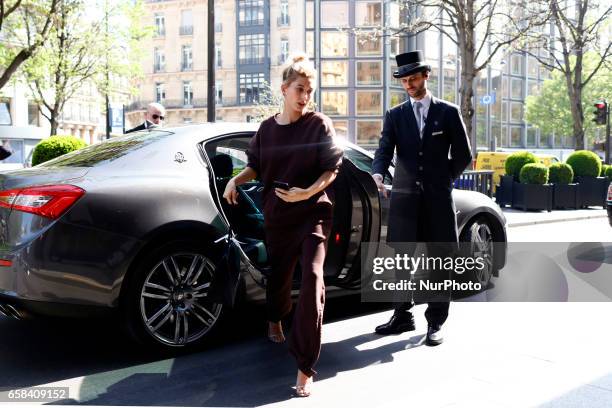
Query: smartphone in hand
(281, 185)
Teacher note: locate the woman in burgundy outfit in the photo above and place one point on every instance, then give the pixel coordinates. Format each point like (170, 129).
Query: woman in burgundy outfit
(295, 147)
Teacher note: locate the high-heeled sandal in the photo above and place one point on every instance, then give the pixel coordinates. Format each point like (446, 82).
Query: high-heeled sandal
(303, 390)
(276, 337)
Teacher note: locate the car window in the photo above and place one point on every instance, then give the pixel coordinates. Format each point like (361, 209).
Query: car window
(234, 147)
(362, 161)
(108, 150)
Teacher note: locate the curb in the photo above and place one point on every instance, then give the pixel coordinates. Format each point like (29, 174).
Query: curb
(525, 223)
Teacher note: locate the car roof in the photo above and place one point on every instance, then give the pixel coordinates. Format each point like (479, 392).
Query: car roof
(210, 130)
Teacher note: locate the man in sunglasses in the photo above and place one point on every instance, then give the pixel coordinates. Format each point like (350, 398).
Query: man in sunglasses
(153, 118)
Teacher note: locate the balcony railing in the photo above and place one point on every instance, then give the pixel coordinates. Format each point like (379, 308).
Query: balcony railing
(283, 20)
(282, 58)
(250, 23)
(186, 67)
(159, 68)
(251, 61)
(186, 30)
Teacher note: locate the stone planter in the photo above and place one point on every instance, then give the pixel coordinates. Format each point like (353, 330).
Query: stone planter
(566, 196)
(592, 191)
(532, 196)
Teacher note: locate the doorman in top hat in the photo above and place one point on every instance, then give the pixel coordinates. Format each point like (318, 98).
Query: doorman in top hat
(433, 149)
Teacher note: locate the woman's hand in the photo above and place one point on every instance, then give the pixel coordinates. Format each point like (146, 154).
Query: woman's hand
(231, 194)
(293, 195)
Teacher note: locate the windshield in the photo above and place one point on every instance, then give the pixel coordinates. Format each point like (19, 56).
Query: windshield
(108, 150)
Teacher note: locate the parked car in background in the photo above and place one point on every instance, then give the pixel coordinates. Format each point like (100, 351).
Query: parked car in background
(137, 225)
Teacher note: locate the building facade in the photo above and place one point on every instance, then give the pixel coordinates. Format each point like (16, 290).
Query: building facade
(354, 52)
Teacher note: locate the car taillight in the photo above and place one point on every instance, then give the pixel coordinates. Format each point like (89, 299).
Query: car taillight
(610, 192)
(46, 201)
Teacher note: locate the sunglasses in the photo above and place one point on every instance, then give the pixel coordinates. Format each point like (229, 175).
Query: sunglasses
(157, 117)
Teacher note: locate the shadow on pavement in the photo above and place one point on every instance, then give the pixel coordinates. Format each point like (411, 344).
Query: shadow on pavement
(241, 368)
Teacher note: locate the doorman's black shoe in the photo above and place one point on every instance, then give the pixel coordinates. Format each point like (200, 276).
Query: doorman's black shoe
(399, 323)
(435, 336)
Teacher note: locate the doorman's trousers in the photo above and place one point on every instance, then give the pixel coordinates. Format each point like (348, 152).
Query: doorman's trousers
(287, 245)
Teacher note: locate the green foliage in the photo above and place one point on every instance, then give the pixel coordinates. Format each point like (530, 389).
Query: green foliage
(609, 173)
(585, 163)
(550, 110)
(534, 173)
(55, 146)
(604, 168)
(560, 173)
(516, 161)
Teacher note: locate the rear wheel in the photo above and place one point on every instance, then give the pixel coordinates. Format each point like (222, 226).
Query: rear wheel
(166, 303)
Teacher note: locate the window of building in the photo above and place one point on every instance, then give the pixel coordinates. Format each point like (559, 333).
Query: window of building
(187, 120)
(393, 46)
(160, 25)
(531, 136)
(368, 103)
(397, 98)
(284, 51)
(532, 67)
(186, 22)
(533, 88)
(334, 44)
(5, 112)
(517, 88)
(33, 115)
(218, 19)
(251, 85)
(283, 19)
(218, 59)
(159, 58)
(219, 92)
(368, 13)
(341, 128)
(516, 67)
(516, 136)
(516, 112)
(250, 12)
(367, 45)
(368, 72)
(334, 14)
(310, 44)
(368, 132)
(187, 94)
(160, 93)
(186, 58)
(334, 103)
(310, 14)
(251, 48)
(334, 73)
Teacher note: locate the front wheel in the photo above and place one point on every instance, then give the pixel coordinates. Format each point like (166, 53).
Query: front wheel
(479, 237)
(166, 304)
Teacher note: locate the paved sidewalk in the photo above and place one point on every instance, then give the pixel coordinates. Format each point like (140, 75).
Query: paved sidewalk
(517, 218)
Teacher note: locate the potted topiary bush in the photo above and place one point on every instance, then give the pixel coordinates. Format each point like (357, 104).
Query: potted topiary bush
(609, 173)
(513, 165)
(592, 189)
(533, 192)
(604, 169)
(565, 193)
(55, 146)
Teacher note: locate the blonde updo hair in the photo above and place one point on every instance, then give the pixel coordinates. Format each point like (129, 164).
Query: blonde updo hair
(298, 65)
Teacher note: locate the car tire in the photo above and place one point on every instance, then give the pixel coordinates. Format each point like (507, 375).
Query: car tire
(164, 306)
(479, 233)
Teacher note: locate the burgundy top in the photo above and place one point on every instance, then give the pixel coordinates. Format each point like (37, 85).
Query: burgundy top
(297, 154)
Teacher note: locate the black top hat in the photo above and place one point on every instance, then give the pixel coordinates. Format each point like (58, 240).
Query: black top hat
(410, 63)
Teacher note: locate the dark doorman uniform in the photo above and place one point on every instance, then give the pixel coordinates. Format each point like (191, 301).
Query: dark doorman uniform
(432, 149)
(297, 154)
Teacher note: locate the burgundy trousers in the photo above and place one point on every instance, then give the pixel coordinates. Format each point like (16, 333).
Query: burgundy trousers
(288, 245)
